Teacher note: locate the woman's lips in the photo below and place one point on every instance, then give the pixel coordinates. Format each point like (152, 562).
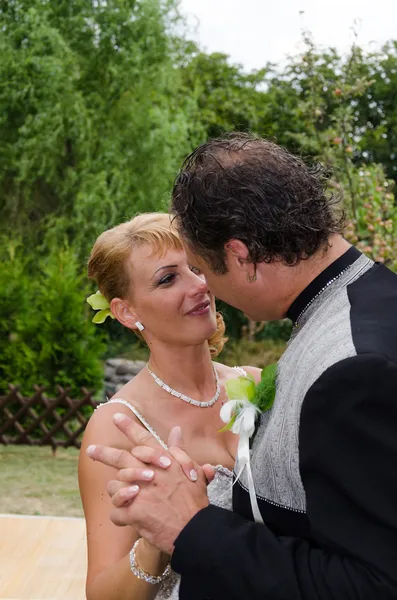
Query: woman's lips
(200, 309)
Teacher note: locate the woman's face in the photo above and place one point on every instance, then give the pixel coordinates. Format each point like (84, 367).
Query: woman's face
(170, 298)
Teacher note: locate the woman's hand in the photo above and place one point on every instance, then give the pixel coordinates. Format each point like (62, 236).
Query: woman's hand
(160, 509)
(134, 467)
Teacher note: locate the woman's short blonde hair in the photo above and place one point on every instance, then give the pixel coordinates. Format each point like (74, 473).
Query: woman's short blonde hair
(107, 264)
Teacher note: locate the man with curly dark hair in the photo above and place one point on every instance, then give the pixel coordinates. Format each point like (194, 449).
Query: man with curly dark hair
(242, 198)
(262, 227)
(246, 188)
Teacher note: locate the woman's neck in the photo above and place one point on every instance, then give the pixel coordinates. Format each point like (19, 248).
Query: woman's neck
(185, 369)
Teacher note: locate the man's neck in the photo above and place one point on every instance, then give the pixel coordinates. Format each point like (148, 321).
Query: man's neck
(299, 277)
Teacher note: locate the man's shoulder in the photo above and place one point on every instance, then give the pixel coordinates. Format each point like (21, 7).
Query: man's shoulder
(378, 284)
(373, 312)
(357, 319)
(364, 365)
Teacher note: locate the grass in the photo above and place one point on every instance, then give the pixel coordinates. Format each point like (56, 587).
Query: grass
(34, 482)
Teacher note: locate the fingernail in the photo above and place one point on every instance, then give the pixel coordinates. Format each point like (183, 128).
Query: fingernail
(164, 461)
(193, 475)
(90, 450)
(148, 474)
(118, 417)
(133, 489)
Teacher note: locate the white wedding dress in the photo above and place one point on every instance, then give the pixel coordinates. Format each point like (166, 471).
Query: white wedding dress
(219, 494)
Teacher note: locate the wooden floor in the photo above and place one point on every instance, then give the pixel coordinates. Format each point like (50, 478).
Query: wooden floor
(42, 558)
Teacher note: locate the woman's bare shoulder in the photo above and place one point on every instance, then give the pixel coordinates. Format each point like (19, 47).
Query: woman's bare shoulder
(125, 400)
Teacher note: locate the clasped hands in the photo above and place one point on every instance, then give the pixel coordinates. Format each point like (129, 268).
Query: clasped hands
(156, 491)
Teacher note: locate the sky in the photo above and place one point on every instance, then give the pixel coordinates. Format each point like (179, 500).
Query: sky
(254, 32)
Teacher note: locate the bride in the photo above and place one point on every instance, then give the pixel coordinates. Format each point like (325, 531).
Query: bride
(141, 269)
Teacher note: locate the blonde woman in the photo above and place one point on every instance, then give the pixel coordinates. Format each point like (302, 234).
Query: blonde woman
(141, 269)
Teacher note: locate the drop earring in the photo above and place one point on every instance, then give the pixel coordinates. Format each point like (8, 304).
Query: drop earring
(252, 278)
(139, 326)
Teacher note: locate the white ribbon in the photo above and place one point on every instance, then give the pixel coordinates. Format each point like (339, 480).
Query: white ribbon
(244, 427)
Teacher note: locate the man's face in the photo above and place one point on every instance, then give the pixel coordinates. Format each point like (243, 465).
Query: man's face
(234, 289)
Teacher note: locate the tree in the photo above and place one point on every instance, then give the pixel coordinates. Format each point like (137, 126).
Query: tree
(46, 328)
(227, 98)
(91, 128)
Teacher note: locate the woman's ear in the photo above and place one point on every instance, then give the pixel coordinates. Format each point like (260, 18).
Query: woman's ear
(124, 313)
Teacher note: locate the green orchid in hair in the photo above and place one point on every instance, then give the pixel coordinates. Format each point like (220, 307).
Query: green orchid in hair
(98, 302)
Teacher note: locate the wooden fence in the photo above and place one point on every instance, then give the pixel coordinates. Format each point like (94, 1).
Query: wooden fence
(42, 421)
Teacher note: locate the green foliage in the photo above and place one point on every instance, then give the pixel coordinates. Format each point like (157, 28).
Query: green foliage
(238, 326)
(256, 354)
(227, 98)
(377, 113)
(49, 338)
(92, 129)
(266, 388)
(373, 229)
(276, 330)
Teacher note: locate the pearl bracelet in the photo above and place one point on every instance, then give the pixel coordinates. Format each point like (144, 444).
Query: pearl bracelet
(141, 574)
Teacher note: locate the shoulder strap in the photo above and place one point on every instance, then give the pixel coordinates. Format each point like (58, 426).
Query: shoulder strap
(139, 417)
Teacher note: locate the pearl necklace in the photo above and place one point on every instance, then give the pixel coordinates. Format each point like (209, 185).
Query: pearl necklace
(185, 398)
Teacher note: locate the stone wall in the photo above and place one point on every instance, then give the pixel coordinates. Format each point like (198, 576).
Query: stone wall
(118, 372)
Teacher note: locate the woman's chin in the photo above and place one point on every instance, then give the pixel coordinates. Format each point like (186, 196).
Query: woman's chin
(207, 330)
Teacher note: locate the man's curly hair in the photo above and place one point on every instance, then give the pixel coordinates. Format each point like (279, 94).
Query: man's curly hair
(244, 187)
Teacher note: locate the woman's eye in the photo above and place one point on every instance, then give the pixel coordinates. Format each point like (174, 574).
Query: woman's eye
(167, 279)
(195, 270)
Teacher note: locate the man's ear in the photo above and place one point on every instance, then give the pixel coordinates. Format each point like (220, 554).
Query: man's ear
(124, 313)
(238, 253)
(237, 250)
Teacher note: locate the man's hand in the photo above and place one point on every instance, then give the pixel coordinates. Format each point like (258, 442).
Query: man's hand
(176, 491)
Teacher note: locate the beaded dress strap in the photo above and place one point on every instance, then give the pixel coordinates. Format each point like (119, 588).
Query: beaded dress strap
(139, 417)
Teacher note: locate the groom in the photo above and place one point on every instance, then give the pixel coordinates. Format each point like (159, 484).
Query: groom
(261, 227)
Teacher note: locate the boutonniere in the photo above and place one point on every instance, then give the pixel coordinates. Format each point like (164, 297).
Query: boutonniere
(247, 401)
(98, 302)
